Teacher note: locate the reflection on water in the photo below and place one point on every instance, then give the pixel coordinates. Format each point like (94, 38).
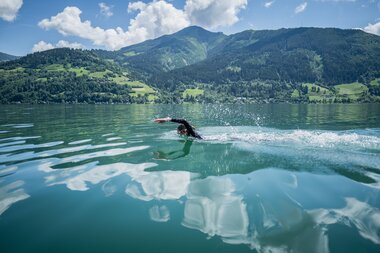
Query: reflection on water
(18, 125)
(212, 208)
(108, 188)
(271, 221)
(44, 154)
(77, 177)
(10, 194)
(253, 181)
(356, 213)
(159, 213)
(79, 142)
(174, 154)
(164, 185)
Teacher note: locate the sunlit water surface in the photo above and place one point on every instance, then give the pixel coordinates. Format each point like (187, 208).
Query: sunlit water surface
(266, 178)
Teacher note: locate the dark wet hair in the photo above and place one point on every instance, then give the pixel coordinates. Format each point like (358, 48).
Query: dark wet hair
(181, 127)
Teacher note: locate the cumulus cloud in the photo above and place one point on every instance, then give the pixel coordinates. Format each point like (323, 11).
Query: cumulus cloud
(373, 28)
(69, 22)
(43, 46)
(268, 4)
(105, 10)
(212, 14)
(64, 43)
(300, 8)
(155, 19)
(152, 20)
(9, 9)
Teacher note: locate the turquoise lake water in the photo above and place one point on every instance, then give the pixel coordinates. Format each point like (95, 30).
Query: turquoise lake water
(266, 178)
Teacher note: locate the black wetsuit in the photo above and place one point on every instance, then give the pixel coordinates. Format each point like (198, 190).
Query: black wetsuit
(189, 128)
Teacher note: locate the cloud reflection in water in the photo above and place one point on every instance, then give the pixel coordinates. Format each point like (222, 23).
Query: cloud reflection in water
(159, 213)
(212, 208)
(264, 209)
(99, 174)
(10, 194)
(262, 212)
(77, 177)
(163, 185)
(356, 213)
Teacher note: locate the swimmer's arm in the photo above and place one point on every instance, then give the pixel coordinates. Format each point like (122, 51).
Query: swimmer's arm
(168, 119)
(163, 120)
(180, 121)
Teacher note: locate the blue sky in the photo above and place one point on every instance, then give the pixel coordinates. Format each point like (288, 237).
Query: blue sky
(28, 26)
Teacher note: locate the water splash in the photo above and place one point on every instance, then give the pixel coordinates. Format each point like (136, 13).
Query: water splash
(369, 139)
(227, 116)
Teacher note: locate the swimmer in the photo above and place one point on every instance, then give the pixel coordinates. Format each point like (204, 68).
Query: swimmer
(184, 128)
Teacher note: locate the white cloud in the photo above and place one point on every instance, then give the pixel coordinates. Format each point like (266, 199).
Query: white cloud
(300, 8)
(64, 43)
(9, 9)
(268, 4)
(155, 19)
(69, 22)
(105, 10)
(135, 6)
(152, 20)
(212, 14)
(43, 46)
(373, 28)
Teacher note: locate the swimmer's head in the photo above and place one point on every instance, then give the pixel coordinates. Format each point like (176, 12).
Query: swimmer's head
(181, 129)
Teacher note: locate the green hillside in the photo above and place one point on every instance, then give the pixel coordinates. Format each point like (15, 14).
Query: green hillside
(342, 93)
(7, 57)
(330, 56)
(66, 75)
(184, 48)
(300, 65)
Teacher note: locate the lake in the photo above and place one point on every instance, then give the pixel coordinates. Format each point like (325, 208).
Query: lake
(266, 178)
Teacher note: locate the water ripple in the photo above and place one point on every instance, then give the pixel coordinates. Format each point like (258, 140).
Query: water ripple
(79, 142)
(10, 194)
(48, 153)
(18, 138)
(25, 125)
(30, 146)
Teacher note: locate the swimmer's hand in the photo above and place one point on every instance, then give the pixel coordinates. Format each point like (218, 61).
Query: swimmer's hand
(162, 120)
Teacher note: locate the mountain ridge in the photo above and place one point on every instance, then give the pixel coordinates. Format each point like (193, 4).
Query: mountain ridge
(169, 52)
(288, 64)
(7, 57)
(264, 54)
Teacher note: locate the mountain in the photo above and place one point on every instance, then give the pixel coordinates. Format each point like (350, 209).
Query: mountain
(184, 48)
(329, 56)
(63, 76)
(7, 57)
(297, 65)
